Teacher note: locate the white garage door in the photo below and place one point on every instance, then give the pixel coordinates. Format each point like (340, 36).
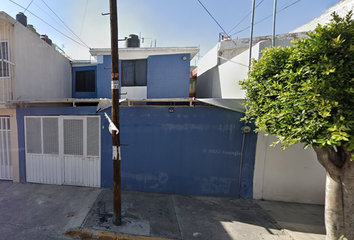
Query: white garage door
(5, 149)
(63, 150)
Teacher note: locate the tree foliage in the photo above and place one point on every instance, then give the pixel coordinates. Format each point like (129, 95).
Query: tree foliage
(305, 93)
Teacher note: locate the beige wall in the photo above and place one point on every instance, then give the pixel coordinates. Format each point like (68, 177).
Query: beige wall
(41, 72)
(290, 175)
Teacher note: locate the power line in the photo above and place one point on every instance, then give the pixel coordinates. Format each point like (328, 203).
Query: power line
(48, 24)
(212, 17)
(49, 15)
(83, 20)
(25, 9)
(65, 24)
(243, 19)
(267, 17)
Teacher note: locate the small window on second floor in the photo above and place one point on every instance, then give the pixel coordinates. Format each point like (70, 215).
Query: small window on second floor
(85, 81)
(134, 73)
(4, 58)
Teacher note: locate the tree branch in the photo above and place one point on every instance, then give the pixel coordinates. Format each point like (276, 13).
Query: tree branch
(329, 160)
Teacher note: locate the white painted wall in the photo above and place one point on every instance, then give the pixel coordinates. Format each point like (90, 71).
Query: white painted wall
(290, 175)
(138, 92)
(232, 72)
(41, 72)
(208, 61)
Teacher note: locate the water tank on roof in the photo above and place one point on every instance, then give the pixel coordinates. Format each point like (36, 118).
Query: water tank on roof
(46, 39)
(132, 41)
(21, 18)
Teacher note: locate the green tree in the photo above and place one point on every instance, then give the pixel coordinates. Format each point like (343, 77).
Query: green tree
(305, 94)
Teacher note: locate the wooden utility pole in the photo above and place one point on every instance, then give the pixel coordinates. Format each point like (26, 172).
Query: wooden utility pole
(117, 200)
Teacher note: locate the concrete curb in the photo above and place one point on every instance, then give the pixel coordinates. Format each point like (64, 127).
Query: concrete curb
(92, 234)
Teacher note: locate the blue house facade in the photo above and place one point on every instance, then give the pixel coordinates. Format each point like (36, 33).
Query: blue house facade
(170, 143)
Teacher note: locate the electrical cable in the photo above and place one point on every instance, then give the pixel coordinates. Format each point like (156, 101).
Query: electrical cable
(212, 17)
(48, 24)
(245, 16)
(83, 20)
(65, 24)
(49, 15)
(267, 17)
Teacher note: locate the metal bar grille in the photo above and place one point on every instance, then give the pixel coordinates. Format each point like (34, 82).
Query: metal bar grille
(5, 149)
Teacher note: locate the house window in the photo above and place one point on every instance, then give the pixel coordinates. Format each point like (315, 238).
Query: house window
(85, 81)
(4, 58)
(134, 73)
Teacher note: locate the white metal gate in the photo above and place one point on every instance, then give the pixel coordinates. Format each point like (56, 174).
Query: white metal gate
(63, 150)
(5, 149)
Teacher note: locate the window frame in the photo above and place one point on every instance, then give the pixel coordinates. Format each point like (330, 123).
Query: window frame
(94, 80)
(134, 61)
(5, 61)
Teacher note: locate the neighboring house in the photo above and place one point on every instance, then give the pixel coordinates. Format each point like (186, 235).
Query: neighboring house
(170, 142)
(293, 175)
(29, 69)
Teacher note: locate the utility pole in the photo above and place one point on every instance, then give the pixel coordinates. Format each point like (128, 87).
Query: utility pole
(274, 18)
(117, 199)
(251, 37)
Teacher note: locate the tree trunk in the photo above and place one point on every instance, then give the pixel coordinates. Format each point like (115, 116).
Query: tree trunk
(339, 203)
(334, 219)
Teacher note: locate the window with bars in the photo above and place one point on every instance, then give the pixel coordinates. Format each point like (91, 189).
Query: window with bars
(134, 73)
(4, 58)
(85, 81)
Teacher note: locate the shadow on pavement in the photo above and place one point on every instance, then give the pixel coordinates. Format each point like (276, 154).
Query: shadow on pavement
(184, 217)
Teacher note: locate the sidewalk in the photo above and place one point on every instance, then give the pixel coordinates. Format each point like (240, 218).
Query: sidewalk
(38, 211)
(168, 216)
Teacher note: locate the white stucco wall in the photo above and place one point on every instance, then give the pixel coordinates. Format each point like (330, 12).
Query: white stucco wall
(290, 175)
(41, 72)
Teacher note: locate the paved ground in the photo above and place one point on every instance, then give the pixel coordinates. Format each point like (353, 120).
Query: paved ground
(301, 221)
(37, 211)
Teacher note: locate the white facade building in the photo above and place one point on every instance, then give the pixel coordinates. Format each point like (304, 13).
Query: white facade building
(30, 69)
(292, 175)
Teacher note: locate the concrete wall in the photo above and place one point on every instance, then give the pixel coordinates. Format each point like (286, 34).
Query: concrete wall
(41, 71)
(221, 69)
(104, 78)
(168, 76)
(222, 81)
(290, 175)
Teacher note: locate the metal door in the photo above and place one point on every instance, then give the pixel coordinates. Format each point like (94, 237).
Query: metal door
(63, 150)
(5, 149)
(81, 151)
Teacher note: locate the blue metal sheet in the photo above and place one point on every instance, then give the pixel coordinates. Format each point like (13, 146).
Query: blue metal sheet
(192, 151)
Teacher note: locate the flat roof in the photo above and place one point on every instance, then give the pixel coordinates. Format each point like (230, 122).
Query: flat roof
(147, 51)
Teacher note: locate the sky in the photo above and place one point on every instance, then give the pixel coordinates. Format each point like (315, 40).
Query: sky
(179, 23)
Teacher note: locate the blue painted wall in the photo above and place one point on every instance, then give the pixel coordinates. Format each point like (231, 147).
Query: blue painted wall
(104, 78)
(84, 94)
(192, 151)
(106, 137)
(168, 76)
